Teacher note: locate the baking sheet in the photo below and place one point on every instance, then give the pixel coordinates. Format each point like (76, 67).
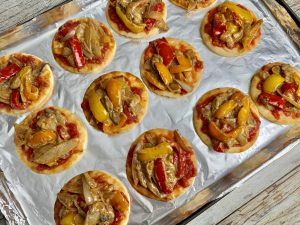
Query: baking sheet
(37, 193)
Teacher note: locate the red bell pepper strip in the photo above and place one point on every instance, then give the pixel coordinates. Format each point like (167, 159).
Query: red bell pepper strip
(77, 51)
(289, 87)
(67, 27)
(181, 160)
(161, 176)
(164, 50)
(274, 100)
(217, 31)
(149, 23)
(8, 71)
(15, 100)
(159, 7)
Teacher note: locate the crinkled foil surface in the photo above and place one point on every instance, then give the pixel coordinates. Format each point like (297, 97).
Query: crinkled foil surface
(36, 193)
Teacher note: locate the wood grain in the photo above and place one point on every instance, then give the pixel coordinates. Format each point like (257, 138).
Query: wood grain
(14, 12)
(295, 5)
(278, 204)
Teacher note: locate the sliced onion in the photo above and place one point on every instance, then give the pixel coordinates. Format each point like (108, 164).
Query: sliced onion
(88, 197)
(294, 103)
(184, 85)
(68, 35)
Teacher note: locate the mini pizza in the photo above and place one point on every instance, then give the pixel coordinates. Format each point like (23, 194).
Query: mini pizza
(26, 83)
(115, 102)
(137, 18)
(50, 140)
(231, 29)
(226, 120)
(171, 67)
(193, 4)
(275, 89)
(92, 198)
(161, 164)
(83, 45)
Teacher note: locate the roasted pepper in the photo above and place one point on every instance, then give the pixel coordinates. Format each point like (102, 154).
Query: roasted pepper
(241, 12)
(164, 50)
(30, 92)
(152, 80)
(119, 202)
(68, 219)
(244, 112)
(97, 108)
(41, 138)
(160, 175)
(225, 108)
(8, 71)
(114, 89)
(272, 83)
(297, 80)
(77, 51)
(274, 100)
(15, 102)
(184, 61)
(112, 128)
(129, 24)
(180, 68)
(164, 73)
(231, 28)
(289, 87)
(288, 99)
(222, 136)
(158, 151)
(67, 27)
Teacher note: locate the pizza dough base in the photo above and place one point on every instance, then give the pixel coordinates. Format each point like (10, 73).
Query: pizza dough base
(136, 82)
(254, 93)
(144, 191)
(89, 67)
(206, 138)
(184, 4)
(112, 180)
(44, 95)
(143, 34)
(71, 160)
(166, 93)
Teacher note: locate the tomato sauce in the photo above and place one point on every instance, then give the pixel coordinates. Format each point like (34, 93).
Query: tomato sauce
(137, 90)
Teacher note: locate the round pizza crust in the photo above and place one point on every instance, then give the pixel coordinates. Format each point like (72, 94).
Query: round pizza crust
(45, 93)
(185, 3)
(166, 93)
(73, 159)
(109, 178)
(206, 138)
(225, 51)
(144, 191)
(89, 67)
(254, 93)
(134, 82)
(143, 34)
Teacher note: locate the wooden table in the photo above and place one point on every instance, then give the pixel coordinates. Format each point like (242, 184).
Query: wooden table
(272, 196)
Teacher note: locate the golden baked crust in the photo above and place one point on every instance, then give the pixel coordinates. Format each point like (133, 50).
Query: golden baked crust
(75, 154)
(133, 82)
(178, 45)
(205, 137)
(198, 5)
(90, 66)
(45, 90)
(103, 177)
(178, 190)
(265, 112)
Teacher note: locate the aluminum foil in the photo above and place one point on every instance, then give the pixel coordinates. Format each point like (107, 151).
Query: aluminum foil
(36, 193)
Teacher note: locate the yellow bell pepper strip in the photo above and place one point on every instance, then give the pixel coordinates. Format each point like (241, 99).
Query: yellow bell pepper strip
(297, 80)
(164, 73)
(244, 112)
(180, 68)
(31, 92)
(112, 128)
(152, 153)
(114, 88)
(130, 25)
(243, 13)
(272, 83)
(119, 202)
(68, 219)
(218, 134)
(152, 80)
(97, 108)
(231, 28)
(225, 108)
(184, 61)
(41, 138)
(238, 97)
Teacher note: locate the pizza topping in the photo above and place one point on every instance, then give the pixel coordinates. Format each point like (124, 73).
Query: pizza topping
(228, 119)
(8, 71)
(97, 108)
(138, 15)
(50, 137)
(98, 202)
(232, 25)
(77, 51)
(171, 67)
(280, 85)
(159, 162)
